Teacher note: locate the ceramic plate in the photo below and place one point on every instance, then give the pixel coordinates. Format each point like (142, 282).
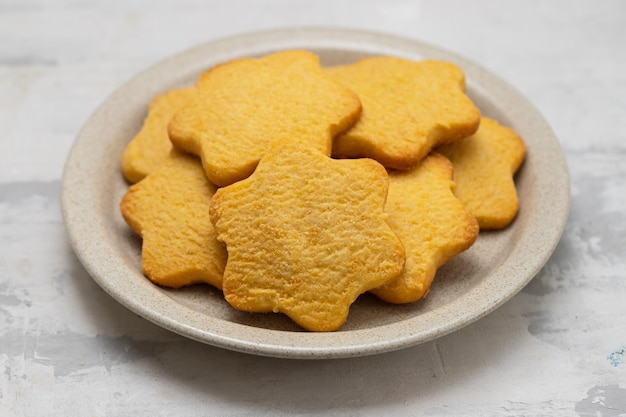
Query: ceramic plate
(467, 288)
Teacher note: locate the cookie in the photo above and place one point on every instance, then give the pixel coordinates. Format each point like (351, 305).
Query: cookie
(306, 234)
(408, 108)
(169, 209)
(484, 168)
(433, 225)
(245, 105)
(149, 149)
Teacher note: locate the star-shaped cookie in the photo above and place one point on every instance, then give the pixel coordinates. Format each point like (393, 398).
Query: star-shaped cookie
(408, 108)
(431, 222)
(484, 168)
(245, 105)
(149, 149)
(305, 235)
(169, 209)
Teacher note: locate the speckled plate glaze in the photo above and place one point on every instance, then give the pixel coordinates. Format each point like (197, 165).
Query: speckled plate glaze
(467, 288)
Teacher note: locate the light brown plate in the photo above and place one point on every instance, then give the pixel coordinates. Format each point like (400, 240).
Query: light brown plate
(498, 266)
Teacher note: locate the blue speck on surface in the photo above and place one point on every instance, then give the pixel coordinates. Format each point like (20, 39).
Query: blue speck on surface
(616, 357)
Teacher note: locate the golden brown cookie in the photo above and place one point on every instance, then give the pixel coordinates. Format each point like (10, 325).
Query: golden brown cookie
(306, 234)
(431, 222)
(148, 150)
(245, 105)
(484, 166)
(408, 108)
(169, 209)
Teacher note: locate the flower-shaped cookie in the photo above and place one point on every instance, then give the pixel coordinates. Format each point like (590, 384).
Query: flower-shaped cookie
(245, 105)
(408, 108)
(305, 235)
(169, 209)
(149, 149)
(433, 225)
(484, 168)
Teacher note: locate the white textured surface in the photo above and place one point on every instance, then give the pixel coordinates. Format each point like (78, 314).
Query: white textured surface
(67, 348)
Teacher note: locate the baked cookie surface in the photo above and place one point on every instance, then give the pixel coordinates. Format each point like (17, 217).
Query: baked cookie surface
(149, 149)
(484, 168)
(432, 224)
(169, 209)
(306, 235)
(245, 105)
(408, 108)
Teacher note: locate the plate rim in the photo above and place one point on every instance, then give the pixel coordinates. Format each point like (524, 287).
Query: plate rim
(325, 344)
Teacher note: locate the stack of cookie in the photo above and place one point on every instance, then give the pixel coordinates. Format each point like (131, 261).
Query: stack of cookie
(295, 188)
